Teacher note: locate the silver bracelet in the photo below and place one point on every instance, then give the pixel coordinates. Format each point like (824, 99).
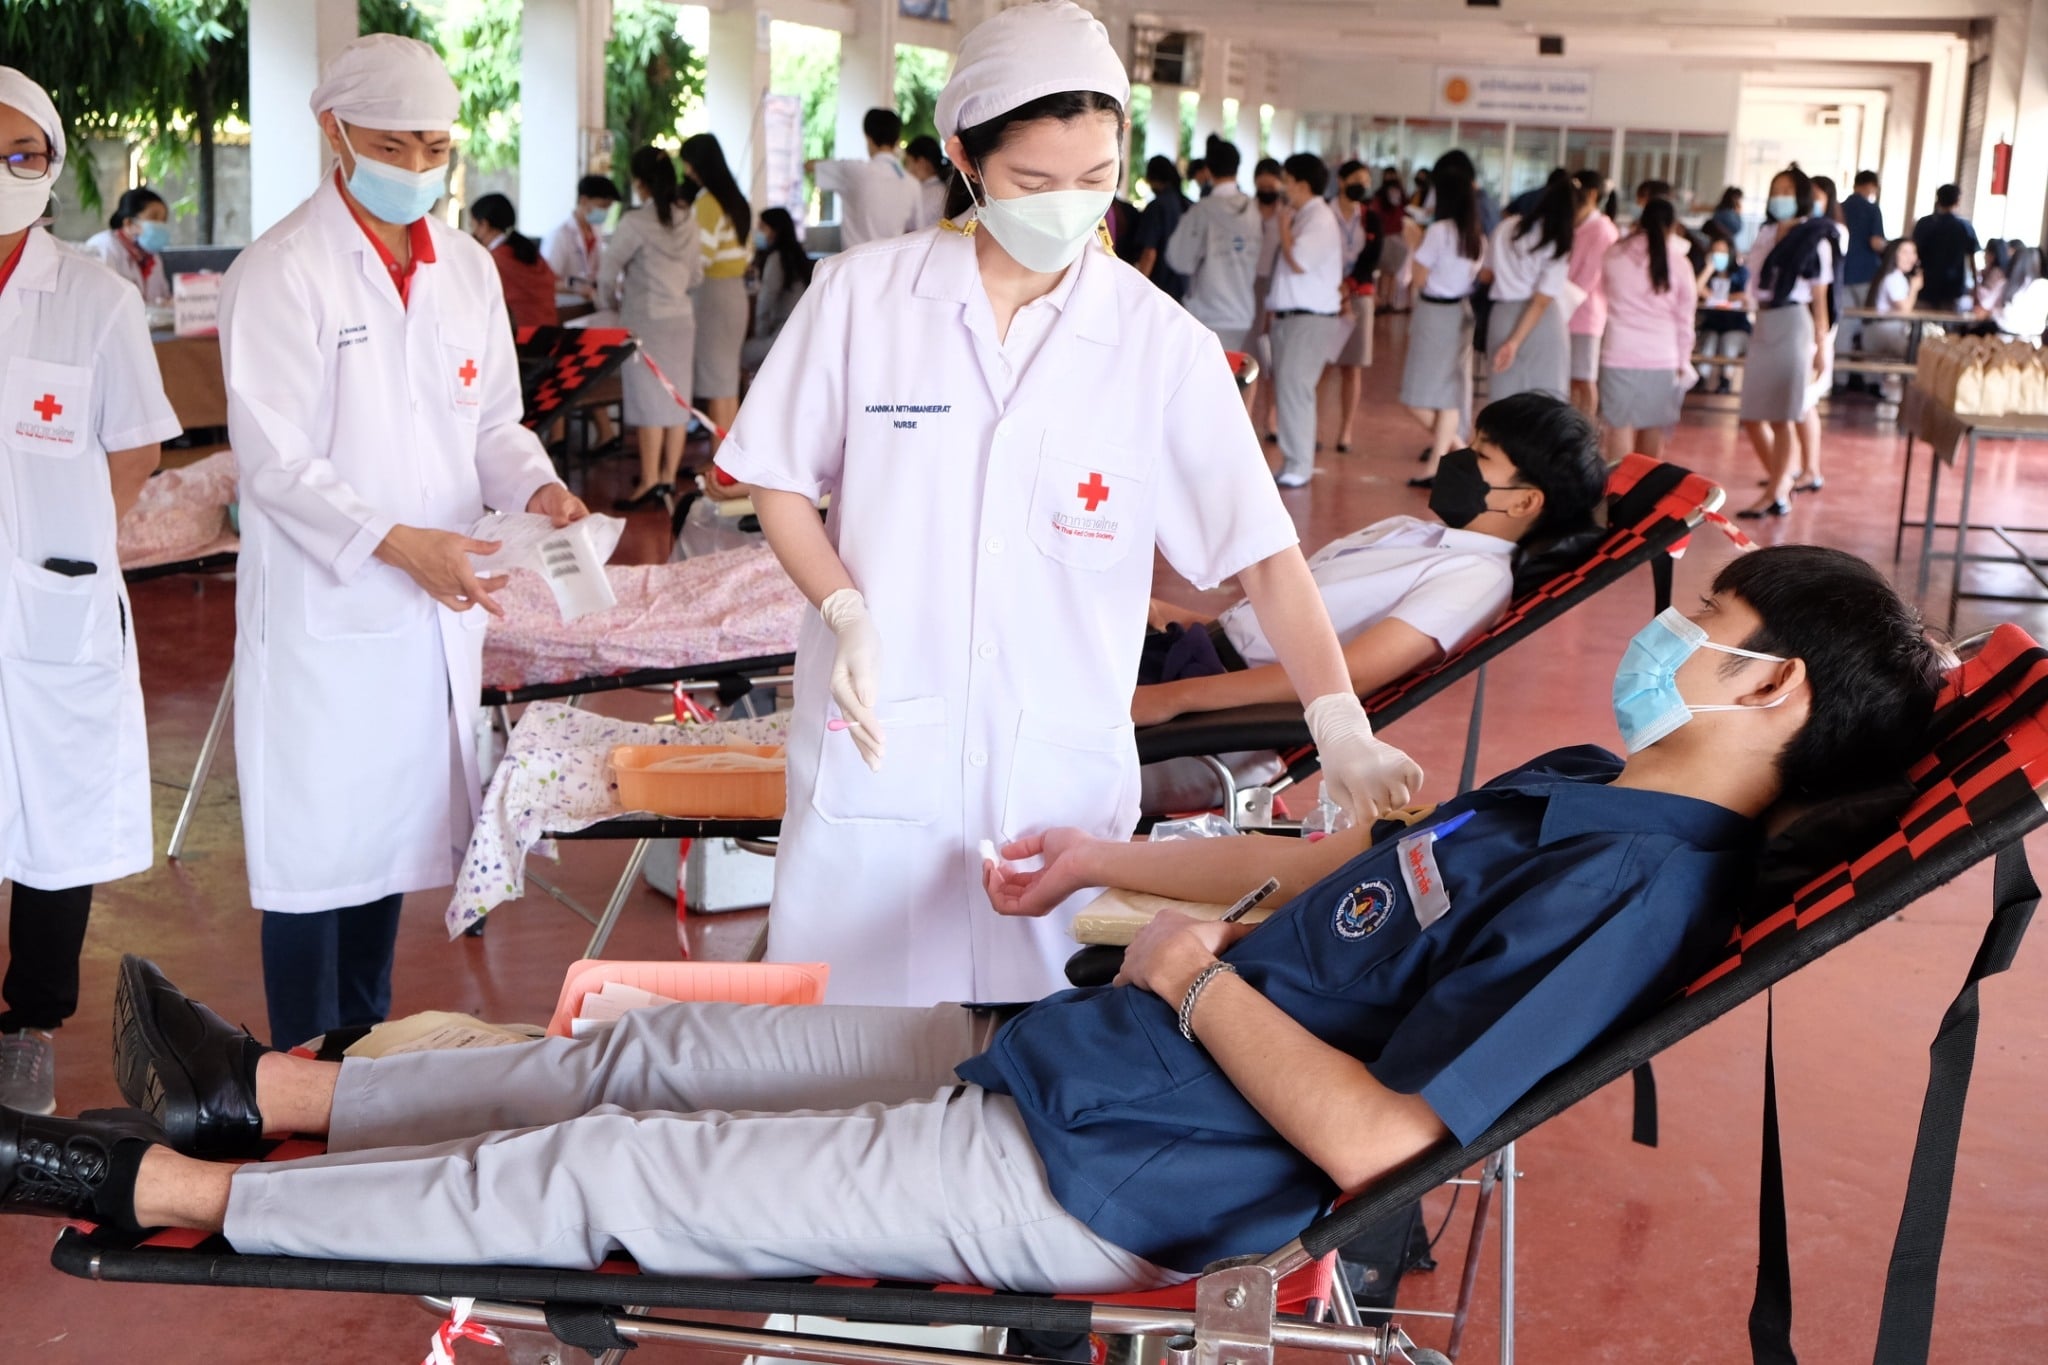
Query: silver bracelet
(1195, 989)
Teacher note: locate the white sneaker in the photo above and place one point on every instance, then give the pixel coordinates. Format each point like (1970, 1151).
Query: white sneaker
(28, 1072)
(1286, 480)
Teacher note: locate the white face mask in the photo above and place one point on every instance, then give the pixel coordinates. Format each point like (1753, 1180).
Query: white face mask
(1044, 232)
(23, 201)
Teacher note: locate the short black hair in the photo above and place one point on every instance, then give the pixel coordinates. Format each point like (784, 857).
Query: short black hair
(883, 127)
(1870, 667)
(131, 205)
(598, 187)
(1654, 189)
(1556, 449)
(1309, 169)
(925, 148)
(1162, 174)
(1948, 196)
(1268, 166)
(1350, 168)
(1865, 178)
(1224, 160)
(1196, 166)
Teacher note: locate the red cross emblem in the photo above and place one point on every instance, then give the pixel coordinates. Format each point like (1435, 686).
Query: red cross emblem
(467, 374)
(1094, 492)
(47, 407)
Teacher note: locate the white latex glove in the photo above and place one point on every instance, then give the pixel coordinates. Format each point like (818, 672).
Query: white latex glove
(856, 670)
(1363, 775)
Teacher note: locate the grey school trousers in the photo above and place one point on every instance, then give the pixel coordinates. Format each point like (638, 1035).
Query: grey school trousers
(720, 1140)
(1302, 345)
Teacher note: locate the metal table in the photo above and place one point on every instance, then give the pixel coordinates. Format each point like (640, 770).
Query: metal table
(1944, 430)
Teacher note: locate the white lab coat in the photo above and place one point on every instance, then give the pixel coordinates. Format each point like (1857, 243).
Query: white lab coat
(574, 264)
(107, 247)
(78, 378)
(351, 413)
(878, 199)
(1005, 551)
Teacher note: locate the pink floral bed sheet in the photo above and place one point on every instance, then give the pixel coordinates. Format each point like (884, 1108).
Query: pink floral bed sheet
(182, 514)
(735, 605)
(556, 778)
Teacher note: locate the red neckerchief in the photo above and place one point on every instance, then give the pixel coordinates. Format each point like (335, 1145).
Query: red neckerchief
(143, 260)
(422, 247)
(13, 259)
(589, 236)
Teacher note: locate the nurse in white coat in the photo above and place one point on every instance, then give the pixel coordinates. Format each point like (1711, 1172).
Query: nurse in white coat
(1010, 419)
(81, 413)
(373, 401)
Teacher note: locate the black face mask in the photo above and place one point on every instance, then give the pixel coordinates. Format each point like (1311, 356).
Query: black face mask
(1459, 492)
(1269, 196)
(1357, 194)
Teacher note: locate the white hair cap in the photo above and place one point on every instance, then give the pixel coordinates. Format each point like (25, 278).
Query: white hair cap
(19, 92)
(389, 83)
(1043, 48)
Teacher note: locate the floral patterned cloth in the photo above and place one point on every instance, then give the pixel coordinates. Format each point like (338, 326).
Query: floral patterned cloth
(735, 605)
(182, 514)
(556, 777)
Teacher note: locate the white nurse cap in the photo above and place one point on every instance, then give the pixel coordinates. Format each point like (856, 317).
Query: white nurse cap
(389, 83)
(1026, 53)
(19, 92)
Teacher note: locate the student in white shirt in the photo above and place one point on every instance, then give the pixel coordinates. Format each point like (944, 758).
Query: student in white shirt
(1436, 379)
(1527, 338)
(575, 249)
(1406, 591)
(878, 199)
(926, 162)
(1302, 304)
(1266, 193)
(1216, 246)
(1895, 289)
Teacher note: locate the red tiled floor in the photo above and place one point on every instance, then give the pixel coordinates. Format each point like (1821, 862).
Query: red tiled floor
(1626, 1254)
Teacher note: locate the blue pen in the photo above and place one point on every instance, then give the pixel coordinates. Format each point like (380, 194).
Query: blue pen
(1452, 825)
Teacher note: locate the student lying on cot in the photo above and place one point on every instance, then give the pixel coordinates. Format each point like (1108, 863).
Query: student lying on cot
(1406, 591)
(1231, 1084)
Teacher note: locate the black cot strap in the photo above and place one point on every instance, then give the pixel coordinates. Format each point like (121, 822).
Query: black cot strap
(1645, 1128)
(587, 1327)
(1770, 1313)
(1906, 1323)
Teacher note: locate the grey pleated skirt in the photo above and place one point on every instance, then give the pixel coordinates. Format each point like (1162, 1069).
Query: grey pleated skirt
(1438, 372)
(722, 309)
(1543, 362)
(1358, 344)
(670, 343)
(1585, 357)
(1779, 365)
(1647, 400)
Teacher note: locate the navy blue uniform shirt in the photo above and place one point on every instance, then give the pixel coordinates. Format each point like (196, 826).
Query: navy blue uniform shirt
(1573, 905)
(1864, 220)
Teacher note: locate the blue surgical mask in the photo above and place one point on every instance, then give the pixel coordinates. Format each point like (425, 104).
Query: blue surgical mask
(1819, 209)
(596, 217)
(1719, 260)
(762, 241)
(1782, 207)
(154, 236)
(387, 193)
(1647, 706)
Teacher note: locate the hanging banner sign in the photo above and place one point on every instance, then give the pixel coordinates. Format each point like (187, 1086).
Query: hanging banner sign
(1531, 94)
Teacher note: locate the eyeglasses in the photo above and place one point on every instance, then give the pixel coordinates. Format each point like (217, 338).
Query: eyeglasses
(28, 165)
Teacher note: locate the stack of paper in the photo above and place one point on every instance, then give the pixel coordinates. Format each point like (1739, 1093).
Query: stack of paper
(603, 1008)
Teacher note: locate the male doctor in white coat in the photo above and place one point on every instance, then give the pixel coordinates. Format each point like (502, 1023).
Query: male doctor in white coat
(1010, 421)
(82, 411)
(373, 401)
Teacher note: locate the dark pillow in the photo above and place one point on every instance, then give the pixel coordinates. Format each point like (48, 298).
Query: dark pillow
(1814, 838)
(1539, 561)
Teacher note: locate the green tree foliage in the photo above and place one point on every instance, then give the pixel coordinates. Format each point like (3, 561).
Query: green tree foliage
(403, 17)
(805, 63)
(652, 76)
(920, 75)
(480, 42)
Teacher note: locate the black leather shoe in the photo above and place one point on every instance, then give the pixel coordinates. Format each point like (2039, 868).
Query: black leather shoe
(66, 1168)
(190, 1069)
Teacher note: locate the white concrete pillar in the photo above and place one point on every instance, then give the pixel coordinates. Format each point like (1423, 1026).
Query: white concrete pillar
(1285, 127)
(289, 41)
(735, 78)
(1209, 104)
(551, 76)
(1249, 98)
(1162, 128)
(867, 72)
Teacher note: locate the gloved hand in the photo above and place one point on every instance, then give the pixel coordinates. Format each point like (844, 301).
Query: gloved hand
(1362, 774)
(856, 670)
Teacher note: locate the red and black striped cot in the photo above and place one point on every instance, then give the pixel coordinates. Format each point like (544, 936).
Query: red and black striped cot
(1653, 507)
(1976, 792)
(557, 364)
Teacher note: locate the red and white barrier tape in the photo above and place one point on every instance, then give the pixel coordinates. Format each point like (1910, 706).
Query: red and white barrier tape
(670, 389)
(441, 1351)
(1732, 531)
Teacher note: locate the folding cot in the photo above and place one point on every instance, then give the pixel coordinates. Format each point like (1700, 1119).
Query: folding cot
(1976, 792)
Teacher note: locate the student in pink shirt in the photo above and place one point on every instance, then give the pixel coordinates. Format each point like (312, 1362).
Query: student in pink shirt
(1592, 237)
(1646, 354)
